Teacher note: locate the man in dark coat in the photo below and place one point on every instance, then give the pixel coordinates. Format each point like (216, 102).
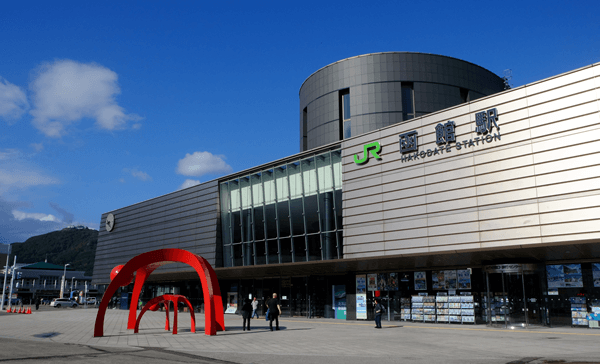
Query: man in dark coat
(246, 314)
(379, 310)
(274, 311)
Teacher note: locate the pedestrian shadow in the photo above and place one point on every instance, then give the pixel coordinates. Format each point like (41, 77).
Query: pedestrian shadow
(236, 330)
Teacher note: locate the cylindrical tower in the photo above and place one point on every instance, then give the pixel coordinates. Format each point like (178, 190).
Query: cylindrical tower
(368, 92)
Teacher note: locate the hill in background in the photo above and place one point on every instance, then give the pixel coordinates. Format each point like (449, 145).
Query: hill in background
(74, 246)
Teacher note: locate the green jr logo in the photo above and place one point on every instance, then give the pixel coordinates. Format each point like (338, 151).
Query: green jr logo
(374, 148)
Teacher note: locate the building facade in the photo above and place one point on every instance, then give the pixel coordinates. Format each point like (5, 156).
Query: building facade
(485, 211)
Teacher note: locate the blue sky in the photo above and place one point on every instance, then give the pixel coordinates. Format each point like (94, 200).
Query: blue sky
(107, 104)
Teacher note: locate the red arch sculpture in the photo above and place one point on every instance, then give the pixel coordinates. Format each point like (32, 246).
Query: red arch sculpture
(144, 264)
(152, 305)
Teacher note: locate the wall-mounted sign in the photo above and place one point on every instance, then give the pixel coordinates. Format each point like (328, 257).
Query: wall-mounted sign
(445, 134)
(374, 148)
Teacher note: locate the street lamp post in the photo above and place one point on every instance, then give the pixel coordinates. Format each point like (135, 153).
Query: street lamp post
(5, 275)
(64, 283)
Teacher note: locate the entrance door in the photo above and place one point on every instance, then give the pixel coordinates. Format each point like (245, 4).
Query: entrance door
(514, 294)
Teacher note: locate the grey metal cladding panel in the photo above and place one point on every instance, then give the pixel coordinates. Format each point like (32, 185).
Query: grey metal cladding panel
(177, 196)
(125, 233)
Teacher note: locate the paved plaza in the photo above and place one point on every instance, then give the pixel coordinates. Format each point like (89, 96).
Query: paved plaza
(66, 335)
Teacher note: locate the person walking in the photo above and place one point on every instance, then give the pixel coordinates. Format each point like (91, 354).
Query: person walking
(274, 311)
(379, 310)
(255, 307)
(246, 315)
(37, 303)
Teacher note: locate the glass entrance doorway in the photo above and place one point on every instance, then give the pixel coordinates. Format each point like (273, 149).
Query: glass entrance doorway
(513, 295)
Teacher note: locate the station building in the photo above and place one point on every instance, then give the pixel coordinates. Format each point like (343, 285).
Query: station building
(421, 180)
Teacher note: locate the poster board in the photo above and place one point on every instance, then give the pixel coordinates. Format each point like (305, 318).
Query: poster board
(361, 297)
(231, 302)
(420, 281)
(372, 282)
(596, 274)
(564, 275)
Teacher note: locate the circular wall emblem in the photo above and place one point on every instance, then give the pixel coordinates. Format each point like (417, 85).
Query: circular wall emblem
(110, 222)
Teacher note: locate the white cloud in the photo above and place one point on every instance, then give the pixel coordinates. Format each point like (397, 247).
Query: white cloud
(188, 183)
(13, 101)
(37, 146)
(201, 163)
(122, 180)
(16, 173)
(67, 91)
(20, 215)
(142, 176)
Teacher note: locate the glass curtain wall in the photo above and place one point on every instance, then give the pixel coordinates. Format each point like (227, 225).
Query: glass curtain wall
(289, 213)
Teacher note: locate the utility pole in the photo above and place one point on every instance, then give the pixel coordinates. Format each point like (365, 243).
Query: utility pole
(5, 275)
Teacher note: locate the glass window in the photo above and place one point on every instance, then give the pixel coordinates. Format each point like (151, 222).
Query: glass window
(346, 106)
(345, 125)
(408, 103)
(289, 206)
(347, 129)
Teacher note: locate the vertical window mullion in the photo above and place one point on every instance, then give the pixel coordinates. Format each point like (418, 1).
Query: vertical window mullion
(304, 212)
(241, 220)
(287, 177)
(277, 216)
(319, 207)
(253, 223)
(334, 206)
(231, 234)
(264, 216)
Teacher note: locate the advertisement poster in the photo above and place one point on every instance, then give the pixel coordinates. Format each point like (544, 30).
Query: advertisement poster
(392, 282)
(564, 276)
(596, 274)
(231, 302)
(361, 297)
(573, 276)
(437, 279)
(372, 282)
(382, 281)
(464, 279)
(420, 281)
(339, 301)
(450, 276)
(556, 276)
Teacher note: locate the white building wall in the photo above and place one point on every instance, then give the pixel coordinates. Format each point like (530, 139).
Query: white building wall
(538, 185)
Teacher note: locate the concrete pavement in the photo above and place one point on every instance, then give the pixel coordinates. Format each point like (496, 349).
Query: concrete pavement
(299, 341)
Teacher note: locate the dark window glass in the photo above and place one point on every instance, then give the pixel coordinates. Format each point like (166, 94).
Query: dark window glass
(237, 231)
(260, 252)
(299, 249)
(314, 247)
(284, 221)
(270, 219)
(297, 218)
(408, 110)
(286, 250)
(311, 214)
(237, 255)
(273, 251)
(259, 226)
